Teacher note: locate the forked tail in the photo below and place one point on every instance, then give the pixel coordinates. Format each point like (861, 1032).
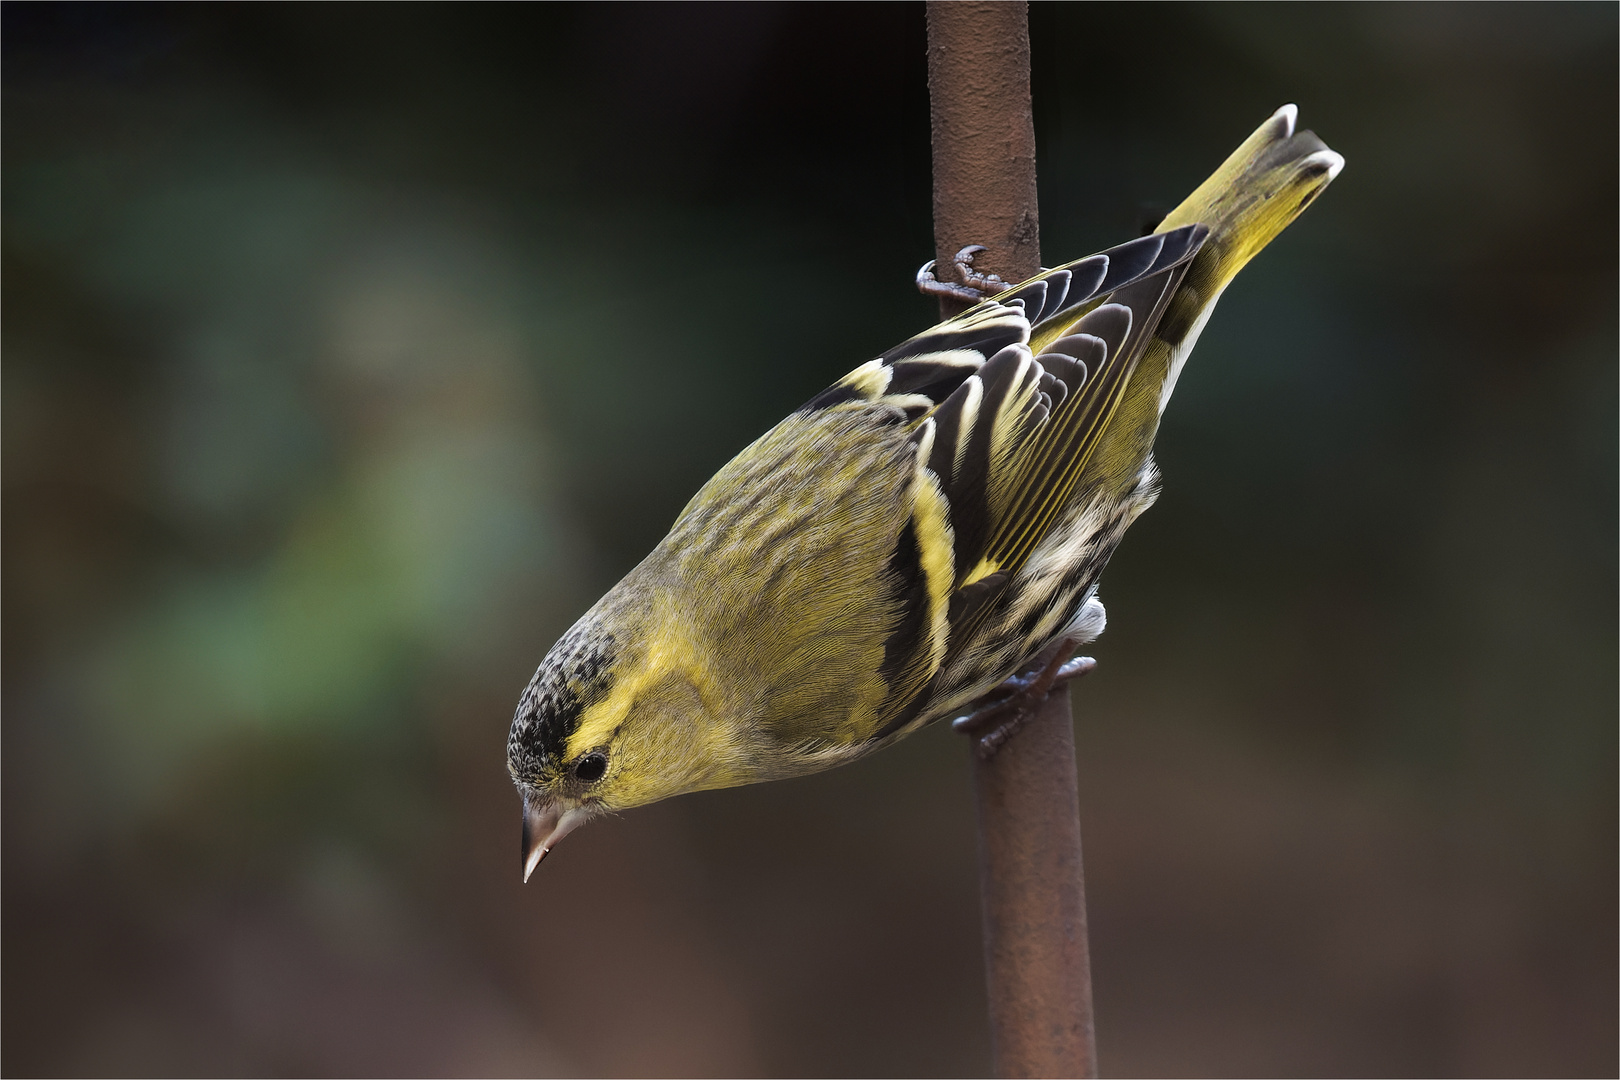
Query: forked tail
(1253, 196)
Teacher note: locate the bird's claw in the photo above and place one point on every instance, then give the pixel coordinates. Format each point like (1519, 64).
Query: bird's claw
(929, 285)
(1000, 714)
(975, 285)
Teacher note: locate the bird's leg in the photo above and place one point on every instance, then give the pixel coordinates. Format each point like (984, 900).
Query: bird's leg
(975, 286)
(999, 715)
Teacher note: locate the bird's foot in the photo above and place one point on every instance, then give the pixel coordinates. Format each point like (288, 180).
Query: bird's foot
(975, 286)
(1000, 714)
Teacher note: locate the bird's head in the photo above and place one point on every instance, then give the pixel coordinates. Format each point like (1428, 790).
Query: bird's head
(616, 719)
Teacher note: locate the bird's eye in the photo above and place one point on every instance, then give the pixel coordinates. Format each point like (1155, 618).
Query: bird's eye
(591, 767)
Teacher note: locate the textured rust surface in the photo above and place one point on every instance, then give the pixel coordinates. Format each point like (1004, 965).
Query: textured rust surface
(1031, 879)
(984, 136)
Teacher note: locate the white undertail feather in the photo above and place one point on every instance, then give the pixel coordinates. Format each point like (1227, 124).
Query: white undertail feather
(1088, 623)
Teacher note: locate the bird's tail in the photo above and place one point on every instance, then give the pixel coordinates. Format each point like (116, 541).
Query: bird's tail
(1253, 196)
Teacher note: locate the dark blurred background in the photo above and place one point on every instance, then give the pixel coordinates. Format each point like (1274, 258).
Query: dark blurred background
(351, 351)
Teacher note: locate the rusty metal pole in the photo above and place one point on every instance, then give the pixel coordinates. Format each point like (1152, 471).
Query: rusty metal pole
(1032, 884)
(984, 136)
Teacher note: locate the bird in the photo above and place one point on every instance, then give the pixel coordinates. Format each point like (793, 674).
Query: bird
(905, 542)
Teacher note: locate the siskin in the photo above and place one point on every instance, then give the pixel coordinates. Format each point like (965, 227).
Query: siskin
(897, 547)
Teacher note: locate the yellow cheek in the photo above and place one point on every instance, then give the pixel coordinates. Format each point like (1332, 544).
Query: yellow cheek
(672, 743)
(666, 722)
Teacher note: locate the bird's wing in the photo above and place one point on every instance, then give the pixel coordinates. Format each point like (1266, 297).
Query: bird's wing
(922, 372)
(1007, 400)
(1018, 451)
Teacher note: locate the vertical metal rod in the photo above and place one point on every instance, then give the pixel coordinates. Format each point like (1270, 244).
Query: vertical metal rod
(1033, 890)
(1032, 883)
(984, 136)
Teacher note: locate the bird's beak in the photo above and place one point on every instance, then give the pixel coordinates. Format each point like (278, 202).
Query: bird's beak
(544, 826)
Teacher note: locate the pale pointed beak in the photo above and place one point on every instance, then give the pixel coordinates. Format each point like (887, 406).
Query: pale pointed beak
(544, 826)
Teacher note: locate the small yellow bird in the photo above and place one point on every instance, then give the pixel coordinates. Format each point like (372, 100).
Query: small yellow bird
(893, 550)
